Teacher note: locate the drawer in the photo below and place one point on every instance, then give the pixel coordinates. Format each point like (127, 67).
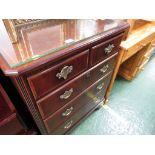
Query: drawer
(57, 99)
(105, 49)
(10, 126)
(103, 68)
(129, 53)
(93, 95)
(138, 46)
(78, 116)
(147, 40)
(45, 81)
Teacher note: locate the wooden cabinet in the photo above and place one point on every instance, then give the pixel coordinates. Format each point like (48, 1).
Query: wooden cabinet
(62, 86)
(136, 51)
(137, 48)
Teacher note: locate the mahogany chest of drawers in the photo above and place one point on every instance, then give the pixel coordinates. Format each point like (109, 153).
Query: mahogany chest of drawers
(61, 85)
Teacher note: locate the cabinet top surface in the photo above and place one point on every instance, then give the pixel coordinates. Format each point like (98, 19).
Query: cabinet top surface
(45, 37)
(138, 35)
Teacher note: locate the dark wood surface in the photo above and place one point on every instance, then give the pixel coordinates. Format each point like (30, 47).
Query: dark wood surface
(94, 93)
(6, 107)
(9, 123)
(45, 81)
(102, 68)
(40, 88)
(11, 126)
(98, 52)
(52, 102)
(109, 28)
(17, 103)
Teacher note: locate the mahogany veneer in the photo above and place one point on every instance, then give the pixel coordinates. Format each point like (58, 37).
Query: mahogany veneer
(97, 54)
(92, 96)
(45, 81)
(64, 86)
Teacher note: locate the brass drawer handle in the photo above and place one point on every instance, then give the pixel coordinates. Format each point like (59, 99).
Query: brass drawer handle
(68, 125)
(109, 49)
(104, 68)
(68, 112)
(64, 72)
(100, 86)
(66, 94)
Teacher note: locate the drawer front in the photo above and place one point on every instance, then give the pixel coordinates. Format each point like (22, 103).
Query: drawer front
(70, 123)
(103, 68)
(138, 46)
(105, 49)
(132, 51)
(94, 95)
(147, 40)
(57, 99)
(47, 80)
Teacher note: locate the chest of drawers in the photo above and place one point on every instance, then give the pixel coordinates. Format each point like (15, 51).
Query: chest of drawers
(64, 86)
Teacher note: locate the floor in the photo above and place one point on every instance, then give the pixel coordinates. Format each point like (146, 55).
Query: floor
(131, 109)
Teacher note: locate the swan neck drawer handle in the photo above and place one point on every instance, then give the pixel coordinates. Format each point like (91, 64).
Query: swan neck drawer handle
(68, 125)
(100, 86)
(109, 49)
(104, 69)
(65, 71)
(68, 112)
(66, 94)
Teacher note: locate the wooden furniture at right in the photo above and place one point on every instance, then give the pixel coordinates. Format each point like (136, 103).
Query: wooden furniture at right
(137, 48)
(136, 51)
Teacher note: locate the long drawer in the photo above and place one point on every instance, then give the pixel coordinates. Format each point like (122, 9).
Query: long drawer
(103, 68)
(61, 96)
(47, 80)
(68, 125)
(104, 50)
(93, 95)
(57, 99)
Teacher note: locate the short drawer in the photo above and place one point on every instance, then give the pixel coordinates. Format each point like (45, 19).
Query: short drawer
(105, 49)
(45, 81)
(94, 95)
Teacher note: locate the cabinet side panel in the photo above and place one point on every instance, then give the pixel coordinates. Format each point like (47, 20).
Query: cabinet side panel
(19, 82)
